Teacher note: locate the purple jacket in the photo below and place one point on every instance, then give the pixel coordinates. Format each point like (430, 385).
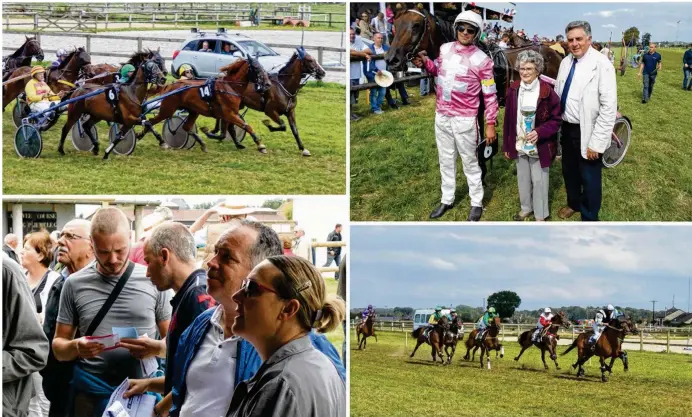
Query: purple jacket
(548, 120)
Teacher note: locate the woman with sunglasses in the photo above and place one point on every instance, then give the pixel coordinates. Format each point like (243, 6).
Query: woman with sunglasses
(281, 301)
(464, 73)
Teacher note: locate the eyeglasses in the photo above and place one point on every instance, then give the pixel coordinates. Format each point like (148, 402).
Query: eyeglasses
(252, 288)
(527, 69)
(70, 236)
(468, 29)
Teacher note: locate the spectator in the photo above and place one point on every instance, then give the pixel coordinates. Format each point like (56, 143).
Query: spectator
(139, 304)
(364, 26)
(205, 47)
(334, 254)
(358, 49)
(170, 253)
(280, 303)
(536, 149)
(160, 215)
(288, 246)
(341, 292)
(687, 69)
(503, 43)
(54, 236)
(302, 246)
(10, 246)
(24, 346)
(651, 63)
(588, 115)
(379, 25)
(74, 254)
(381, 93)
(238, 251)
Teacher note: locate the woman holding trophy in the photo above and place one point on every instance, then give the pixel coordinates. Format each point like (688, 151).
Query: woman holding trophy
(532, 121)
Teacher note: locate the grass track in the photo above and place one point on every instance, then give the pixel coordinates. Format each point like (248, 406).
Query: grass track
(395, 174)
(385, 382)
(223, 170)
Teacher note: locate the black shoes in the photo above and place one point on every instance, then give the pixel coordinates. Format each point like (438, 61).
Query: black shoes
(440, 210)
(475, 214)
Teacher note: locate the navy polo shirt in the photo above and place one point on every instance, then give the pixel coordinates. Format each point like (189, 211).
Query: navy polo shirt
(188, 303)
(650, 61)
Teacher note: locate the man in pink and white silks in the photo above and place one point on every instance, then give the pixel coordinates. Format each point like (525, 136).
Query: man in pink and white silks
(463, 71)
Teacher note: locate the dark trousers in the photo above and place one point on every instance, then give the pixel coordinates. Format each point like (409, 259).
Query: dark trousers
(354, 94)
(649, 81)
(401, 88)
(582, 177)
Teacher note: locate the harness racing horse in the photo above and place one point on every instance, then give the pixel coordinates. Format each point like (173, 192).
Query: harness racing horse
(548, 339)
(488, 342)
(452, 337)
(103, 74)
(282, 98)
(608, 345)
(222, 98)
(118, 104)
(62, 78)
(435, 338)
(366, 329)
(22, 57)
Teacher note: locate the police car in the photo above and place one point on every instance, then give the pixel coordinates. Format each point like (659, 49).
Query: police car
(421, 317)
(221, 49)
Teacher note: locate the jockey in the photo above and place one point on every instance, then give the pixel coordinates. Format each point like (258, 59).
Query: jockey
(368, 312)
(484, 321)
(434, 318)
(544, 320)
(602, 317)
(126, 73)
(185, 72)
(39, 96)
(464, 78)
(61, 54)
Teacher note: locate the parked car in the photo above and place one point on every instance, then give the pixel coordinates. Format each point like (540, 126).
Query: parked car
(206, 53)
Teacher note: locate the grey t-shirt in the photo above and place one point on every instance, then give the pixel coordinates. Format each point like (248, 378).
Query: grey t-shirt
(139, 305)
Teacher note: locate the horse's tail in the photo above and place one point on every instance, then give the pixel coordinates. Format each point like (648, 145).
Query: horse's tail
(417, 332)
(572, 346)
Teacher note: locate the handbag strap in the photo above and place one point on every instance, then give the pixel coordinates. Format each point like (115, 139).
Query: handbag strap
(111, 299)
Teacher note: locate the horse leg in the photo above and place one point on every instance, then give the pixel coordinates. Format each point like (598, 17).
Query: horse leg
(72, 118)
(291, 116)
(150, 127)
(215, 133)
(277, 119)
(87, 129)
(121, 135)
(625, 360)
(358, 339)
(235, 119)
(191, 119)
(545, 365)
(604, 378)
(375, 336)
(473, 354)
(234, 137)
(553, 355)
(217, 127)
(416, 348)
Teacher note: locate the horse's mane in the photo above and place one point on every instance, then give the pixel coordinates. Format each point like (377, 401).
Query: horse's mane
(231, 69)
(64, 63)
(138, 58)
(290, 62)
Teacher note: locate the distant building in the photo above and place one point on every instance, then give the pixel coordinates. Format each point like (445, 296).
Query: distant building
(682, 320)
(671, 314)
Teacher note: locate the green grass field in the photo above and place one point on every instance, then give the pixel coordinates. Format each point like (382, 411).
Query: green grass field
(223, 170)
(395, 173)
(385, 382)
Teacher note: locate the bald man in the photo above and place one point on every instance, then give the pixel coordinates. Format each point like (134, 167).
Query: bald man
(10, 246)
(139, 305)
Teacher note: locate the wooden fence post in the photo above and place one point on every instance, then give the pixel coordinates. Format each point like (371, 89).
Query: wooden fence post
(88, 43)
(106, 20)
(641, 341)
(35, 21)
(153, 20)
(7, 22)
(129, 19)
(668, 342)
(320, 53)
(175, 18)
(196, 19)
(217, 22)
(139, 44)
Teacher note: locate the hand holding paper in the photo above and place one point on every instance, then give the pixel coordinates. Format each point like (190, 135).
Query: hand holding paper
(144, 347)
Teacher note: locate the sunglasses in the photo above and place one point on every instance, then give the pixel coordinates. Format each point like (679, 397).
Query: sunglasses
(252, 288)
(70, 236)
(468, 29)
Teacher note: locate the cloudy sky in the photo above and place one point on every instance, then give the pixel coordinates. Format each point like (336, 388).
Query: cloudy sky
(422, 266)
(659, 19)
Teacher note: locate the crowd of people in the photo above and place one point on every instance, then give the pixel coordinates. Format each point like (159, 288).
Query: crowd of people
(242, 337)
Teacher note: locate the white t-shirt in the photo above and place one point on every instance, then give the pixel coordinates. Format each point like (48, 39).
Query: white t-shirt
(211, 376)
(357, 66)
(380, 64)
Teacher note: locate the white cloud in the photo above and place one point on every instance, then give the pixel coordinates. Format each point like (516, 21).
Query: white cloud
(440, 263)
(609, 13)
(610, 26)
(672, 24)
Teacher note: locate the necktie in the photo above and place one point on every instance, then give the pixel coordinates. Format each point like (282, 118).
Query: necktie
(565, 91)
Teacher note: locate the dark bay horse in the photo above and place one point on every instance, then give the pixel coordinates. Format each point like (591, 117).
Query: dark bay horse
(452, 337)
(103, 74)
(435, 338)
(224, 97)
(282, 98)
(547, 341)
(490, 341)
(126, 111)
(609, 345)
(22, 56)
(62, 78)
(366, 329)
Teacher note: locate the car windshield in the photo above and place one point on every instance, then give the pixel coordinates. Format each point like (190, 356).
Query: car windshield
(255, 48)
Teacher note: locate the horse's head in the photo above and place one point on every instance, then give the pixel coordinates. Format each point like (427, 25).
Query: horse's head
(497, 321)
(562, 319)
(33, 48)
(411, 35)
(257, 75)
(158, 59)
(443, 322)
(625, 324)
(309, 65)
(83, 57)
(152, 74)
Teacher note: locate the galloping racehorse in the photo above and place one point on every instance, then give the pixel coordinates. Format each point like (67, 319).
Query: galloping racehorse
(548, 339)
(609, 345)
(489, 342)
(366, 329)
(435, 338)
(221, 100)
(282, 97)
(452, 337)
(124, 107)
(22, 57)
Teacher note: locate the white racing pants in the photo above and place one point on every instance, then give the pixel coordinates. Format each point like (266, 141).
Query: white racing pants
(458, 135)
(39, 106)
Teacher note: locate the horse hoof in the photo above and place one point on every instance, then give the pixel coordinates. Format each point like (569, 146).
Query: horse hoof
(239, 146)
(61, 151)
(164, 145)
(306, 152)
(502, 356)
(262, 150)
(557, 367)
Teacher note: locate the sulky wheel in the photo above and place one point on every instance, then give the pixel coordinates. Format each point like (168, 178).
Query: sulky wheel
(27, 141)
(125, 146)
(173, 133)
(80, 140)
(239, 131)
(619, 143)
(190, 140)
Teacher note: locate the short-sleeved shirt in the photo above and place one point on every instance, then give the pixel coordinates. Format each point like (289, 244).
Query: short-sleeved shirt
(139, 305)
(189, 302)
(650, 61)
(356, 66)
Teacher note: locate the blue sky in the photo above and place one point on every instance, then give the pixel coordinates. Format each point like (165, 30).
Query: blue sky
(659, 19)
(422, 266)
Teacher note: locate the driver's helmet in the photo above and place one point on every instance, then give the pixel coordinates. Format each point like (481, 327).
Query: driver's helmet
(438, 309)
(369, 306)
(126, 69)
(491, 309)
(547, 310)
(61, 53)
(183, 69)
(610, 307)
(470, 17)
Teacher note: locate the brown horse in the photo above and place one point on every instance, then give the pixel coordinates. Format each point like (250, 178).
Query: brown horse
(435, 338)
(104, 74)
(22, 56)
(547, 341)
(281, 99)
(452, 337)
(366, 329)
(608, 345)
(62, 78)
(224, 95)
(127, 110)
(488, 342)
